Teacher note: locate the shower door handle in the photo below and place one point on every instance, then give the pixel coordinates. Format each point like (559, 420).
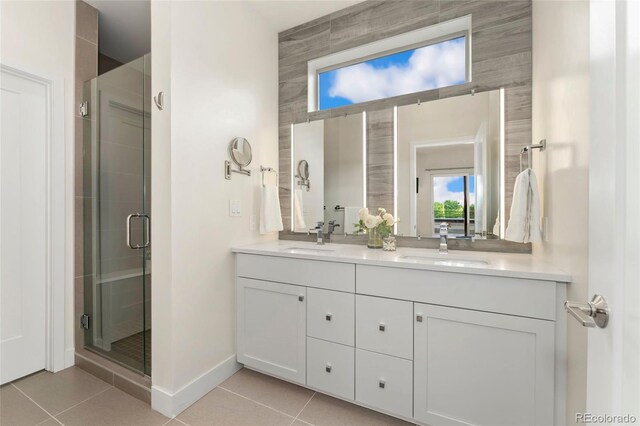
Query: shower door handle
(147, 228)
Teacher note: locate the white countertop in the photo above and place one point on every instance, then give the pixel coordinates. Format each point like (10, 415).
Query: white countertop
(498, 264)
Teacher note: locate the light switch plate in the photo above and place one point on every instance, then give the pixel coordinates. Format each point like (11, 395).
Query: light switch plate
(235, 209)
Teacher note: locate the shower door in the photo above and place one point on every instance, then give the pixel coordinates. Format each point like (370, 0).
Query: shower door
(116, 182)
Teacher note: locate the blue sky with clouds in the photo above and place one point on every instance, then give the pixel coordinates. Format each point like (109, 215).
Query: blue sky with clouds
(416, 70)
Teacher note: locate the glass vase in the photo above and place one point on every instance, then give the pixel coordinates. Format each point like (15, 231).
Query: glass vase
(375, 239)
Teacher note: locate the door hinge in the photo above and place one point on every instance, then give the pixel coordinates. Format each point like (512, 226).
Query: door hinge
(84, 321)
(84, 109)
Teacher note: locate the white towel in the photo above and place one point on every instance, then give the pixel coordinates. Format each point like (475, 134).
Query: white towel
(524, 221)
(350, 219)
(270, 216)
(298, 211)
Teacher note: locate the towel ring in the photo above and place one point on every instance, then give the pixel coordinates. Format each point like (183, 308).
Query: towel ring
(527, 150)
(265, 170)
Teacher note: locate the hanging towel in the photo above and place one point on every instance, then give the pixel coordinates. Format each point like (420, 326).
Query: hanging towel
(298, 211)
(350, 219)
(524, 221)
(270, 216)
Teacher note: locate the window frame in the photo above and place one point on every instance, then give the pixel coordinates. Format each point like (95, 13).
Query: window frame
(423, 37)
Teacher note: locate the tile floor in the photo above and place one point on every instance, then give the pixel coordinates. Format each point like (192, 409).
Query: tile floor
(74, 397)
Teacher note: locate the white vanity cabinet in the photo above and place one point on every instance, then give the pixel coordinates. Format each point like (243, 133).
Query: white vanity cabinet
(432, 346)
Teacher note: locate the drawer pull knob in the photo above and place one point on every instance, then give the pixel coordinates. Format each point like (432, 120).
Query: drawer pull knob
(381, 327)
(327, 368)
(419, 317)
(301, 298)
(381, 383)
(328, 317)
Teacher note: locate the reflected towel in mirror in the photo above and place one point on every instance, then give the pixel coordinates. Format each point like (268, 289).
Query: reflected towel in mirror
(350, 219)
(270, 216)
(524, 220)
(298, 212)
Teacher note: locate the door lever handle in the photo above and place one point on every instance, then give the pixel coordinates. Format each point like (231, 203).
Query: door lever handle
(590, 314)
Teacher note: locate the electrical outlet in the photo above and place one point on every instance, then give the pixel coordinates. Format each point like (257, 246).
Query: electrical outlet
(235, 209)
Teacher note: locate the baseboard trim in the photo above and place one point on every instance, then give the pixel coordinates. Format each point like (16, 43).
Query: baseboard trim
(171, 404)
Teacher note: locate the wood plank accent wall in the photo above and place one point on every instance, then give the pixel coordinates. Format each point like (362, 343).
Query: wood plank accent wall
(380, 159)
(501, 57)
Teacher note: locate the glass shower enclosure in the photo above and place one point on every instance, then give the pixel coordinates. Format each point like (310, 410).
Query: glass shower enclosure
(116, 119)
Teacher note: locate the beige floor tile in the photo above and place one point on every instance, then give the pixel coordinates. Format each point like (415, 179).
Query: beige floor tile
(60, 391)
(324, 410)
(18, 410)
(220, 407)
(278, 394)
(112, 408)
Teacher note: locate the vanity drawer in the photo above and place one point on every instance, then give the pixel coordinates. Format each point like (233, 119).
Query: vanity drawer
(384, 326)
(384, 382)
(331, 316)
(330, 367)
(310, 273)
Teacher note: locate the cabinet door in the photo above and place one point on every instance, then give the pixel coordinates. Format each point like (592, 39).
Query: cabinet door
(479, 368)
(271, 321)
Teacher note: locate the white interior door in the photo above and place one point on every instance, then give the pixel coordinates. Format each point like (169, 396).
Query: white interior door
(23, 227)
(613, 372)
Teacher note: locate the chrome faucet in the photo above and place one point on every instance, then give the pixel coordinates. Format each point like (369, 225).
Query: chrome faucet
(320, 236)
(332, 225)
(444, 238)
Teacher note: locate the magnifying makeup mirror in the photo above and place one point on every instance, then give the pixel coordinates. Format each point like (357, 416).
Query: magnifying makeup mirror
(240, 152)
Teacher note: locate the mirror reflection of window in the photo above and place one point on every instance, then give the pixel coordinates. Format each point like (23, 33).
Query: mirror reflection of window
(454, 203)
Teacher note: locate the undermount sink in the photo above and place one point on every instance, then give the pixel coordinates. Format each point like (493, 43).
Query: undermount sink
(307, 250)
(445, 259)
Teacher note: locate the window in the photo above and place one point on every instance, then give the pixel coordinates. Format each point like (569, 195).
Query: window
(453, 203)
(415, 70)
(425, 59)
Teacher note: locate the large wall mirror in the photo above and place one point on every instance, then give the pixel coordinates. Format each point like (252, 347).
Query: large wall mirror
(448, 164)
(328, 173)
(448, 156)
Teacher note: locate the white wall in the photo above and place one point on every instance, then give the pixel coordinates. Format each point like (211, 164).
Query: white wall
(39, 37)
(561, 115)
(217, 63)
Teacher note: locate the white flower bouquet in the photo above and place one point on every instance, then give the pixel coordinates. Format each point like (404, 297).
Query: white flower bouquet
(380, 223)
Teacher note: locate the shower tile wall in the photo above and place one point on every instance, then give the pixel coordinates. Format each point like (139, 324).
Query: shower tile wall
(86, 66)
(501, 52)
